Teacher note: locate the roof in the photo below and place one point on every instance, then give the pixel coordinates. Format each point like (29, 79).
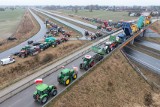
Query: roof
(5, 59)
(109, 42)
(88, 56)
(66, 70)
(41, 87)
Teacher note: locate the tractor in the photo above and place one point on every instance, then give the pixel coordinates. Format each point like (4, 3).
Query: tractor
(29, 51)
(88, 62)
(105, 26)
(67, 75)
(44, 91)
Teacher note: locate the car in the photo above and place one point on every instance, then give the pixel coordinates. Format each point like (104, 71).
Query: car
(6, 61)
(30, 42)
(36, 43)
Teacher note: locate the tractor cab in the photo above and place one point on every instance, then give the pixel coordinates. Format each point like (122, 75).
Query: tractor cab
(87, 58)
(66, 76)
(43, 91)
(88, 61)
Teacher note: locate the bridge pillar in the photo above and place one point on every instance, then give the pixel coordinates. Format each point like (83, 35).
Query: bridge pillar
(142, 34)
(132, 42)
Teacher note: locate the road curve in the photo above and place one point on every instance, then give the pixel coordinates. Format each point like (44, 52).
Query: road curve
(77, 28)
(143, 59)
(36, 37)
(77, 21)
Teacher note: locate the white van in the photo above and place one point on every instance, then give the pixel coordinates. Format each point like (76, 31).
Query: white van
(6, 61)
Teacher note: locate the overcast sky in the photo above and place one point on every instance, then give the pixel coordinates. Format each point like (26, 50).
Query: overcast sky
(80, 2)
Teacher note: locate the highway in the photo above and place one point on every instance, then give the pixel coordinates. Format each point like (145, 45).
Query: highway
(152, 45)
(77, 28)
(150, 33)
(36, 37)
(77, 21)
(25, 97)
(144, 59)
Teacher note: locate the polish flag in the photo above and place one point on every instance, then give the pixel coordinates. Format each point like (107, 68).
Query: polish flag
(38, 81)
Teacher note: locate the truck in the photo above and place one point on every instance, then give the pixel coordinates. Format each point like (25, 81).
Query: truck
(44, 91)
(140, 22)
(126, 26)
(122, 37)
(67, 75)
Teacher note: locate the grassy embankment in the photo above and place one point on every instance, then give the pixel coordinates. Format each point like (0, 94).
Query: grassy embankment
(113, 83)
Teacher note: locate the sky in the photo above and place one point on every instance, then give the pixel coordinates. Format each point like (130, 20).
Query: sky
(81, 2)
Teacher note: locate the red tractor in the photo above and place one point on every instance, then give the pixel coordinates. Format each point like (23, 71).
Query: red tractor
(105, 26)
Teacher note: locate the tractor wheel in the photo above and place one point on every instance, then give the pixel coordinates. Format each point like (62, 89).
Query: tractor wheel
(92, 64)
(86, 67)
(107, 51)
(54, 92)
(74, 76)
(22, 56)
(67, 82)
(44, 100)
(81, 66)
(53, 46)
(35, 97)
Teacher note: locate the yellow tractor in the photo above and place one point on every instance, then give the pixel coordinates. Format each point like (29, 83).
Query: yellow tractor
(147, 20)
(134, 28)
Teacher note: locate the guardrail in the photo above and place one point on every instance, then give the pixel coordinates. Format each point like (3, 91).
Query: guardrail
(21, 88)
(119, 47)
(24, 86)
(106, 56)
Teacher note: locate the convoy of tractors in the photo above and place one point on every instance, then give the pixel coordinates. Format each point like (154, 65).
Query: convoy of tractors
(66, 75)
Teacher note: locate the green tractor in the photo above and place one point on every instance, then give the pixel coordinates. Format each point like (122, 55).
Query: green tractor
(88, 62)
(67, 75)
(44, 91)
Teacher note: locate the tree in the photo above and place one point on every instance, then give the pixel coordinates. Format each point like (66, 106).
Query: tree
(76, 9)
(91, 8)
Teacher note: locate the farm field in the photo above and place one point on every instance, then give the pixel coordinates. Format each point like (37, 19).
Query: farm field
(109, 86)
(9, 20)
(103, 14)
(25, 29)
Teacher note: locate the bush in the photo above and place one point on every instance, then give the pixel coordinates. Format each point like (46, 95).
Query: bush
(47, 58)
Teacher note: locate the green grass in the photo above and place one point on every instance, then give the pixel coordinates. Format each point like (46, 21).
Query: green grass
(103, 14)
(9, 21)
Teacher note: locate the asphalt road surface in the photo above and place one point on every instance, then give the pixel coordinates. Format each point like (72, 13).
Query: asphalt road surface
(25, 97)
(77, 21)
(149, 44)
(150, 33)
(36, 37)
(143, 59)
(77, 28)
